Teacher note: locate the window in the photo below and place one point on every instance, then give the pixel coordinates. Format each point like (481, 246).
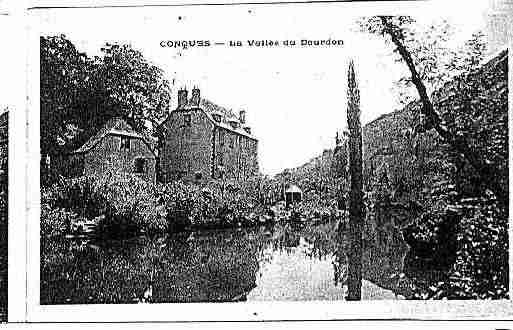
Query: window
(140, 165)
(198, 176)
(187, 119)
(221, 138)
(125, 143)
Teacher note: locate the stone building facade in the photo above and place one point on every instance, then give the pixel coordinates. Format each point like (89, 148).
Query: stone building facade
(116, 147)
(203, 140)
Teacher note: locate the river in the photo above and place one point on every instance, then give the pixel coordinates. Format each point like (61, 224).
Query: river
(281, 262)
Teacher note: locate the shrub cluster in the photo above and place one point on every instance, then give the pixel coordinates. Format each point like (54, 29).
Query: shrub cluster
(123, 204)
(213, 204)
(480, 268)
(314, 207)
(120, 203)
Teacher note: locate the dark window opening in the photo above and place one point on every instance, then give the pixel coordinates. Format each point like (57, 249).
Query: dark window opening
(198, 176)
(125, 143)
(221, 138)
(187, 119)
(140, 165)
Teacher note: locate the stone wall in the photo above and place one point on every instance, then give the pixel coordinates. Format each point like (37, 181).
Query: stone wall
(187, 150)
(107, 156)
(234, 154)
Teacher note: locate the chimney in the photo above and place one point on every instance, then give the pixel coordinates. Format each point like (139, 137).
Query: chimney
(195, 97)
(217, 116)
(182, 98)
(234, 123)
(242, 117)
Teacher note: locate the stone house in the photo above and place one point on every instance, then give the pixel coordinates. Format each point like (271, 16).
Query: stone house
(115, 147)
(203, 140)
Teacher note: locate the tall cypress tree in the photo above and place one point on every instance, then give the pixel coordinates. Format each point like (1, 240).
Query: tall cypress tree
(356, 207)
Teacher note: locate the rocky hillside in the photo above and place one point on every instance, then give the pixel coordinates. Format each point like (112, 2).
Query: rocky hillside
(413, 156)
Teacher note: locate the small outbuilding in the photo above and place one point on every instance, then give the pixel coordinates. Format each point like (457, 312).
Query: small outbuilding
(115, 147)
(293, 195)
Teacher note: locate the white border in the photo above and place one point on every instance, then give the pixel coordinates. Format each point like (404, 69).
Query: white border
(17, 176)
(419, 310)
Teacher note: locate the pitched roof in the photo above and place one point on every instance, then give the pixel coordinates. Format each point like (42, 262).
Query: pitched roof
(224, 124)
(209, 108)
(114, 126)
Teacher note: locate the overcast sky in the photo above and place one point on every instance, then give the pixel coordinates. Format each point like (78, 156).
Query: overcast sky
(294, 97)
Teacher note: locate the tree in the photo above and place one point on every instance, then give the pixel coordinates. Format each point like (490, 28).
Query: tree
(64, 73)
(356, 206)
(135, 85)
(421, 61)
(79, 94)
(464, 193)
(469, 56)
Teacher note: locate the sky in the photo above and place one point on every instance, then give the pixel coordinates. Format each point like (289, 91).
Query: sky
(295, 98)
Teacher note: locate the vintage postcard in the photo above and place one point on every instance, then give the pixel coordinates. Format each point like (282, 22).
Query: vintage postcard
(8, 103)
(277, 161)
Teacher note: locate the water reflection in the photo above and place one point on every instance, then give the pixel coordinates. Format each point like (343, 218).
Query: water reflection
(283, 262)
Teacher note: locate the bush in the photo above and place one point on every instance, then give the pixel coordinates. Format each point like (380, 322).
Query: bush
(480, 270)
(314, 207)
(179, 201)
(81, 195)
(212, 205)
(123, 203)
(131, 204)
(55, 222)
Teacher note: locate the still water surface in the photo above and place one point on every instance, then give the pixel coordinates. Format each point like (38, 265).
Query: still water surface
(282, 262)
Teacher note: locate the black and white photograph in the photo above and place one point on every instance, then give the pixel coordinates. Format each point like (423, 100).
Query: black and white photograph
(7, 103)
(248, 154)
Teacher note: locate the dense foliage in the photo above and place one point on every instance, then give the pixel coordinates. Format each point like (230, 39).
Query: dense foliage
(79, 93)
(119, 203)
(125, 204)
(459, 132)
(457, 225)
(214, 204)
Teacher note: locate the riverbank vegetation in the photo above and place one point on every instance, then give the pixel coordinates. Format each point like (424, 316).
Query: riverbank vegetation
(124, 204)
(418, 186)
(447, 150)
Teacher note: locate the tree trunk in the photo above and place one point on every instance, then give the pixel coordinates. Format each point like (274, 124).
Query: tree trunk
(486, 172)
(356, 208)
